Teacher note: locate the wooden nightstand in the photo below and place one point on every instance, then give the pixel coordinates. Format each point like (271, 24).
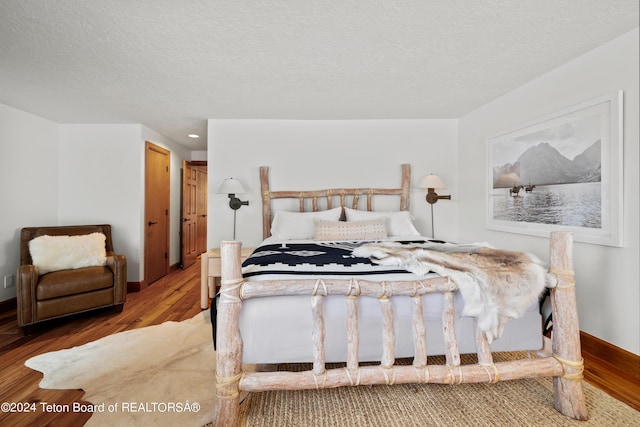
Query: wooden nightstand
(210, 273)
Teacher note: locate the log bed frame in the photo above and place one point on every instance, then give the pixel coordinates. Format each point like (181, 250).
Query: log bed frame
(565, 364)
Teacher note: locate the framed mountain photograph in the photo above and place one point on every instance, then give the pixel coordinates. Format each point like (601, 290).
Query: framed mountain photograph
(561, 172)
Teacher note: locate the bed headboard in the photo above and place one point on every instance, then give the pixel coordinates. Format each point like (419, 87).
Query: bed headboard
(329, 195)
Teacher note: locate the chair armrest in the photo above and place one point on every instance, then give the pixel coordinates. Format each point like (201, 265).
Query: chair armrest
(118, 264)
(27, 279)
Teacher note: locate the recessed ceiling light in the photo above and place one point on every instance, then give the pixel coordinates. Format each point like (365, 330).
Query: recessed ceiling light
(193, 135)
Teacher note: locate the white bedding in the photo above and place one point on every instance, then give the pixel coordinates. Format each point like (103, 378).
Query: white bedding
(279, 329)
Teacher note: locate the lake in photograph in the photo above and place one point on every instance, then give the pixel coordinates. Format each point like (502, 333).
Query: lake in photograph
(577, 205)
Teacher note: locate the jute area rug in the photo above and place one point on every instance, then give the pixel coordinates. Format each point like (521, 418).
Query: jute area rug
(509, 403)
(174, 363)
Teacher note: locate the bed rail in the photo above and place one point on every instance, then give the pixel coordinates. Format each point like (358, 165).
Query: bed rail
(565, 365)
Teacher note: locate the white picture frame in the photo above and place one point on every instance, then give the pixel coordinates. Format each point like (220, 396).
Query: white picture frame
(561, 172)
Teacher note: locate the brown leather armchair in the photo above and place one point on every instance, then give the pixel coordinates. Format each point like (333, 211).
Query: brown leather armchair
(61, 293)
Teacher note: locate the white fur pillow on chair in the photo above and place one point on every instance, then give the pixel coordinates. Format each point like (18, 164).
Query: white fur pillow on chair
(53, 253)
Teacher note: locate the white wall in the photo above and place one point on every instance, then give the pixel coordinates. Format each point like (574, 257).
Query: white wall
(318, 154)
(28, 183)
(62, 174)
(102, 182)
(608, 279)
(198, 156)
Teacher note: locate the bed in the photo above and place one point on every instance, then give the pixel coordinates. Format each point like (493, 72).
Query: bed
(372, 309)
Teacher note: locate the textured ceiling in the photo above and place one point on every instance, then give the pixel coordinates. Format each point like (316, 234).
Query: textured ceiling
(172, 64)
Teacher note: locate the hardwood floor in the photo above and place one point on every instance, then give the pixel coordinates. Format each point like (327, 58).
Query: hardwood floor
(174, 297)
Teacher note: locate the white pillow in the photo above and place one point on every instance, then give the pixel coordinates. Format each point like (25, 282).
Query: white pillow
(374, 229)
(399, 223)
(299, 225)
(53, 253)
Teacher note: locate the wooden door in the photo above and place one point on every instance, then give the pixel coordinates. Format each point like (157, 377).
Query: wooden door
(157, 199)
(189, 220)
(201, 209)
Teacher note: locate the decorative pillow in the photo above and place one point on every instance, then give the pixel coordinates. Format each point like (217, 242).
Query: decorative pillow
(373, 229)
(53, 253)
(399, 223)
(299, 225)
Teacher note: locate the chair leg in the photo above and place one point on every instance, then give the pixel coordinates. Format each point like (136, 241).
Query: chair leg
(29, 330)
(118, 308)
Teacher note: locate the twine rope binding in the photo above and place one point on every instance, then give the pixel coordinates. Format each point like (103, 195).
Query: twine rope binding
(575, 364)
(415, 289)
(496, 374)
(383, 295)
(424, 369)
(566, 277)
(324, 379)
(357, 372)
(225, 293)
(222, 390)
(451, 286)
(385, 370)
(455, 380)
(317, 285)
(353, 285)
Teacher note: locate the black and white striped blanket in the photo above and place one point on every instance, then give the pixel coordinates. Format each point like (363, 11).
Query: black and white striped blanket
(326, 258)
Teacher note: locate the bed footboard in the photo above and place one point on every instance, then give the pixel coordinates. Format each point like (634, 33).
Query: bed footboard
(565, 341)
(565, 365)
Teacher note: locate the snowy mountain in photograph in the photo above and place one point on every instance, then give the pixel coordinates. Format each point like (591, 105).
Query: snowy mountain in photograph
(543, 165)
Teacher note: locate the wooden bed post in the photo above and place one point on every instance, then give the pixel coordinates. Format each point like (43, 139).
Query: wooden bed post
(406, 187)
(229, 342)
(565, 342)
(266, 201)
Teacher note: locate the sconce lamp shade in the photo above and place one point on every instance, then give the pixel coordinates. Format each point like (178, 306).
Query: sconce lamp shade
(230, 186)
(431, 181)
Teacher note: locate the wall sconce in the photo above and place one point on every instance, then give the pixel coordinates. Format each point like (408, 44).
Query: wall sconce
(432, 182)
(232, 187)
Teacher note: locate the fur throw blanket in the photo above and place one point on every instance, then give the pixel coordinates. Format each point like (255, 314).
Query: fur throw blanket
(496, 285)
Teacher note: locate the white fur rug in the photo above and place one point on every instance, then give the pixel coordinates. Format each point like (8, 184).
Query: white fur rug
(145, 376)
